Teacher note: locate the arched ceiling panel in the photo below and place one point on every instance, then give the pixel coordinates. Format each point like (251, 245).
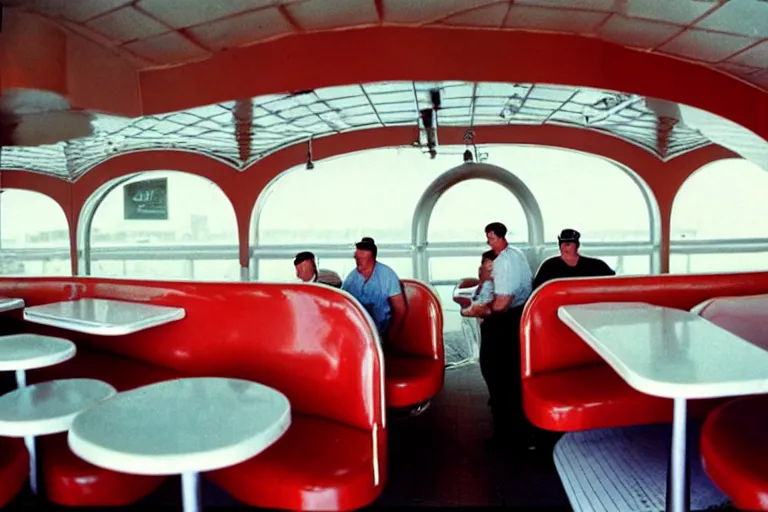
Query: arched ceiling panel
(728, 35)
(242, 132)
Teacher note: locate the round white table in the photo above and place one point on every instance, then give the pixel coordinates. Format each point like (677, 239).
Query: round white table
(47, 408)
(21, 352)
(183, 426)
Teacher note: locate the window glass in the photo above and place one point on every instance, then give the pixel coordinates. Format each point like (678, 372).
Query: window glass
(723, 200)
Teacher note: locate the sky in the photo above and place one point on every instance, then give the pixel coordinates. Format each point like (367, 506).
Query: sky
(375, 192)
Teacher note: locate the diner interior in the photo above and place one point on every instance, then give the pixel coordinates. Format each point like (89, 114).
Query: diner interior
(162, 163)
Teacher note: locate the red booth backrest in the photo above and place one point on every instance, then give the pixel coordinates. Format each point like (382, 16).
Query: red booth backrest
(746, 317)
(313, 343)
(548, 345)
(422, 334)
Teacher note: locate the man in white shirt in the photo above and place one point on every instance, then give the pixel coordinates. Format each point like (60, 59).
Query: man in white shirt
(500, 337)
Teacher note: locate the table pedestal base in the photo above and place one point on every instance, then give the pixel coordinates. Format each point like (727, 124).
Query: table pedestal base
(190, 492)
(29, 441)
(678, 484)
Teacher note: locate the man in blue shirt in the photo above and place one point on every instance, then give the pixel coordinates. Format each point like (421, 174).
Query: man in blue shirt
(377, 287)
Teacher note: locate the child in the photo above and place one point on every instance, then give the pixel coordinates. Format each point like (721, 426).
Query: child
(483, 295)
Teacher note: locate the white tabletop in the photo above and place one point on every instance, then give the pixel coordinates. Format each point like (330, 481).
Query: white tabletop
(49, 407)
(102, 316)
(181, 426)
(8, 304)
(668, 352)
(26, 351)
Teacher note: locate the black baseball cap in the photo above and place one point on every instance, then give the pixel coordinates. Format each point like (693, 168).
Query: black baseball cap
(568, 235)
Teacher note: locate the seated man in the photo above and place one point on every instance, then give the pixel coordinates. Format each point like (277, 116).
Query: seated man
(570, 263)
(307, 271)
(483, 295)
(377, 287)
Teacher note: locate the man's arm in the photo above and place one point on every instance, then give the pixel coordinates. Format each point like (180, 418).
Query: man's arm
(542, 275)
(397, 303)
(504, 283)
(476, 310)
(394, 290)
(608, 270)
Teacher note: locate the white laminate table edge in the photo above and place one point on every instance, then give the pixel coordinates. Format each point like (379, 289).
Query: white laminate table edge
(89, 327)
(149, 464)
(660, 388)
(9, 304)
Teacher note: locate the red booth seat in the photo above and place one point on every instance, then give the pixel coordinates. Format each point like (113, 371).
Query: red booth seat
(317, 465)
(415, 365)
(734, 440)
(14, 468)
(734, 451)
(315, 344)
(567, 386)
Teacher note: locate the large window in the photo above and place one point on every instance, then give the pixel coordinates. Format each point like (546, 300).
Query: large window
(463, 211)
(371, 193)
(717, 220)
(579, 191)
(34, 235)
(196, 237)
(724, 200)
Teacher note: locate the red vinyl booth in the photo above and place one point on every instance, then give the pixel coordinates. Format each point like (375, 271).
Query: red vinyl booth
(734, 439)
(14, 468)
(415, 363)
(313, 343)
(567, 386)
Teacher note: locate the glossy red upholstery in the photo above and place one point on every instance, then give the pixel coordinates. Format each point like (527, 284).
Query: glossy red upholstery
(338, 468)
(71, 481)
(415, 363)
(734, 439)
(567, 386)
(734, 451)
(14, 468)
(746, 317)
(313, 343)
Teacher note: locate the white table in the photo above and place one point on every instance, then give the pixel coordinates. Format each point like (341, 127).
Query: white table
(183, 426)
(103, 316)
(9, 304)
(672, 354)
(21, 352)
(47, 408)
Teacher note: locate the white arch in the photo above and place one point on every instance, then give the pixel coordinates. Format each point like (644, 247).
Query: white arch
(461, 173)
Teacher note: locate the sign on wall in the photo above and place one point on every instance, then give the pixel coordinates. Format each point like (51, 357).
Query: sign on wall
(146, 200)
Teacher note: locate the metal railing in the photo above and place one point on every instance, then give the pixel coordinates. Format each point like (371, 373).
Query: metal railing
(44, 258)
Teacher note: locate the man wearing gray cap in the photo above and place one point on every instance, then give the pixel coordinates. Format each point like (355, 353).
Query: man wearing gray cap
(570, 263)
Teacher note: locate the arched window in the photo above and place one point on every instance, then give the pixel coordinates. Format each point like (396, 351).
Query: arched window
(34, 235)
(579, 191)
(718, 219)
(327, 209)
(165, 225)
(369, 193)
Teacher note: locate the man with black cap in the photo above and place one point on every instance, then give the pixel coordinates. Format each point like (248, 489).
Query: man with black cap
(570, 263)
(377, 287)
(307, 271)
